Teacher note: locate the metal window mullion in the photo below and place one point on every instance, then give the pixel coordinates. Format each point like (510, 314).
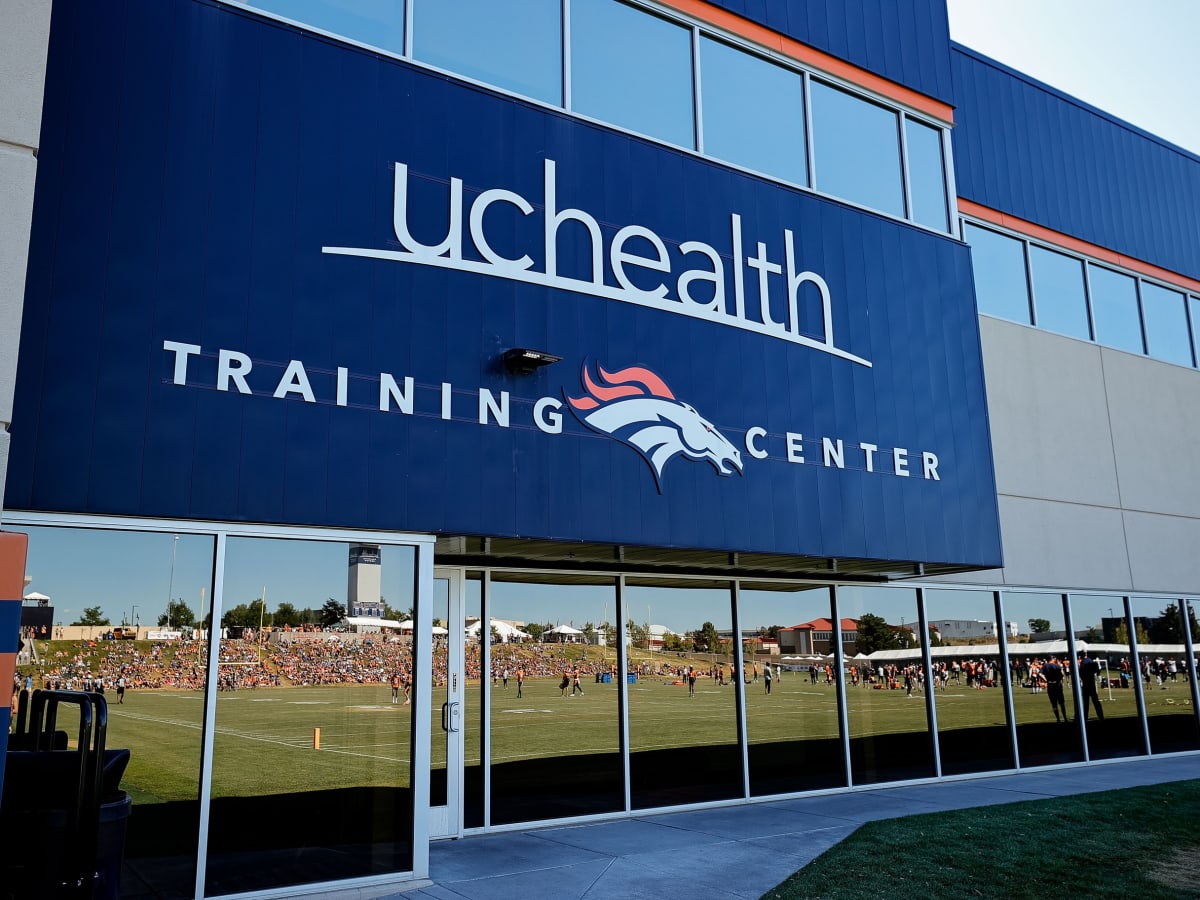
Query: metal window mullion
(422, 730)
(953, 219)
(840, 682)
(1192, 324)
(810, 150)
(1186, 626)
(1137, 292)
(408, 28)
(905, 181)
(1030, 289)
(739, 660)
(1076, 685)
(485, 695)
(1087, 299)
(565, 56)
(697, 97)
(1135, 661)
(927, 665)
(1009, 706)
(623, 689)
(210, 710)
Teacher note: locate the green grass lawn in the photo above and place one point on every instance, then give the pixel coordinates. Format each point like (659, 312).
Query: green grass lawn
(1142, 842)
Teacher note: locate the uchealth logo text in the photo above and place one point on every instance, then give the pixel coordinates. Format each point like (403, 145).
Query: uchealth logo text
(632, 405)
(685, 277)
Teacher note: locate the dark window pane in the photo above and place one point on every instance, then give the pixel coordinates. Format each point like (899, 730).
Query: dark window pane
(683, 738)
(474, 721)
(791, 719)
(885, 690)
(379, 23)
(515, 46)
(347, 810)
(1000, 285)
(632, 69)
(1115, 309)
(1165, 673)
(926, 175)
(1166, 324)
(1106, 683)
(555, 727)
(753, 112)
(1059, 292)
(857, 150)
(127, 577)
(968, 677)
(1043, 700)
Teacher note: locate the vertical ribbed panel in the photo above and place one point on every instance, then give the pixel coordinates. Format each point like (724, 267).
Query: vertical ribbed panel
(1028, 150)
(906, 42)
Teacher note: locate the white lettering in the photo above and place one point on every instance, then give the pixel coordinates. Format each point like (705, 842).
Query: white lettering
(929, 464)
(233, 366)
(447, 393)
(554, 219)
(547, 415)
(182, 352)
(869, 450)
(451, 245)
(794, 281)
(752, 435)
(900, 461)
(389, 391)
(833, 452)
(295, 381)
(795, 447)
(485, 250)
(716, 275)
(619, 257)
(488, 405)
(766, 269)
(343, 376)
(739, 284)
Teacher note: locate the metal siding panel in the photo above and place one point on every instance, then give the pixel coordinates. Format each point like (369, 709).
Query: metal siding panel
(1025, 149)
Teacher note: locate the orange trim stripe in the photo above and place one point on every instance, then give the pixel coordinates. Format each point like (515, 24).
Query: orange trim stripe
(802, 53)
(1066, 242)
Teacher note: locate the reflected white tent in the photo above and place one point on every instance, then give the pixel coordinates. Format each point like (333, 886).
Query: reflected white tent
(506, 631)
(35, 595)
(563, 634)
(407, 625)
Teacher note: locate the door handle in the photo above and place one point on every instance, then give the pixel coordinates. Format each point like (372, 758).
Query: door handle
(446, 717)
(454, 724)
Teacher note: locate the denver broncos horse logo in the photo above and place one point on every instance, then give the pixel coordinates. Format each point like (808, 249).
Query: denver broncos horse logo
(636, 407)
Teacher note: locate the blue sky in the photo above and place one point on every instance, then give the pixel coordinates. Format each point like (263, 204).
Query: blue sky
(1137, 61)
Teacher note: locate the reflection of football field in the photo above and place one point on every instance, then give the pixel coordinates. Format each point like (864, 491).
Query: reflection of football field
(264, 738)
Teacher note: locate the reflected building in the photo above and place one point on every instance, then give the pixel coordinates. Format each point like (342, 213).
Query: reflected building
(707, 457)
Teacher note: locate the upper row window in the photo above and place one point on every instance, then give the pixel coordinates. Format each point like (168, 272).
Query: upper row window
(624, 65)
(1081, 298)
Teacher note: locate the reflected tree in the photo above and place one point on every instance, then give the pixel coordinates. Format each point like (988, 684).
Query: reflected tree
(178, 615)
(332, 613)
(92, 615)
(874, 633)
(1039, 626)
(1166, 629)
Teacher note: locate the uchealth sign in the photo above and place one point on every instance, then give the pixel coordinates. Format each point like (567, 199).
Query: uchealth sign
(305, 265)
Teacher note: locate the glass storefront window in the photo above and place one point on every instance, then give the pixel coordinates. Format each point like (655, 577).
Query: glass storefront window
(856, 149)
(377, 23)
(555, 723)
(1166, 673)
(1040, 669)
(1194, 309)
(753, 112)
(1105, 677)
(312, 747)
(926, 175)
(1001, 288)
(1115, 309)
(475, 715)
(105, 583)
(791, 717)
(683, 728)
(632, 69)
(885, 685)
(1059, 292)
(968, 681)
(515, 46)
(1165, 314)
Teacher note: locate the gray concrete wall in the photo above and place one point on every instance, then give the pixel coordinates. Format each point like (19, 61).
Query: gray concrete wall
(1096, 471)
(24, 37)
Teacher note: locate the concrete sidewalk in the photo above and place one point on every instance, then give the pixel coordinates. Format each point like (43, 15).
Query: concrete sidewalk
(735, 852)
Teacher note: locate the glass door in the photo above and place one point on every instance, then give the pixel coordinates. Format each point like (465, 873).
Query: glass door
(448, 683)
